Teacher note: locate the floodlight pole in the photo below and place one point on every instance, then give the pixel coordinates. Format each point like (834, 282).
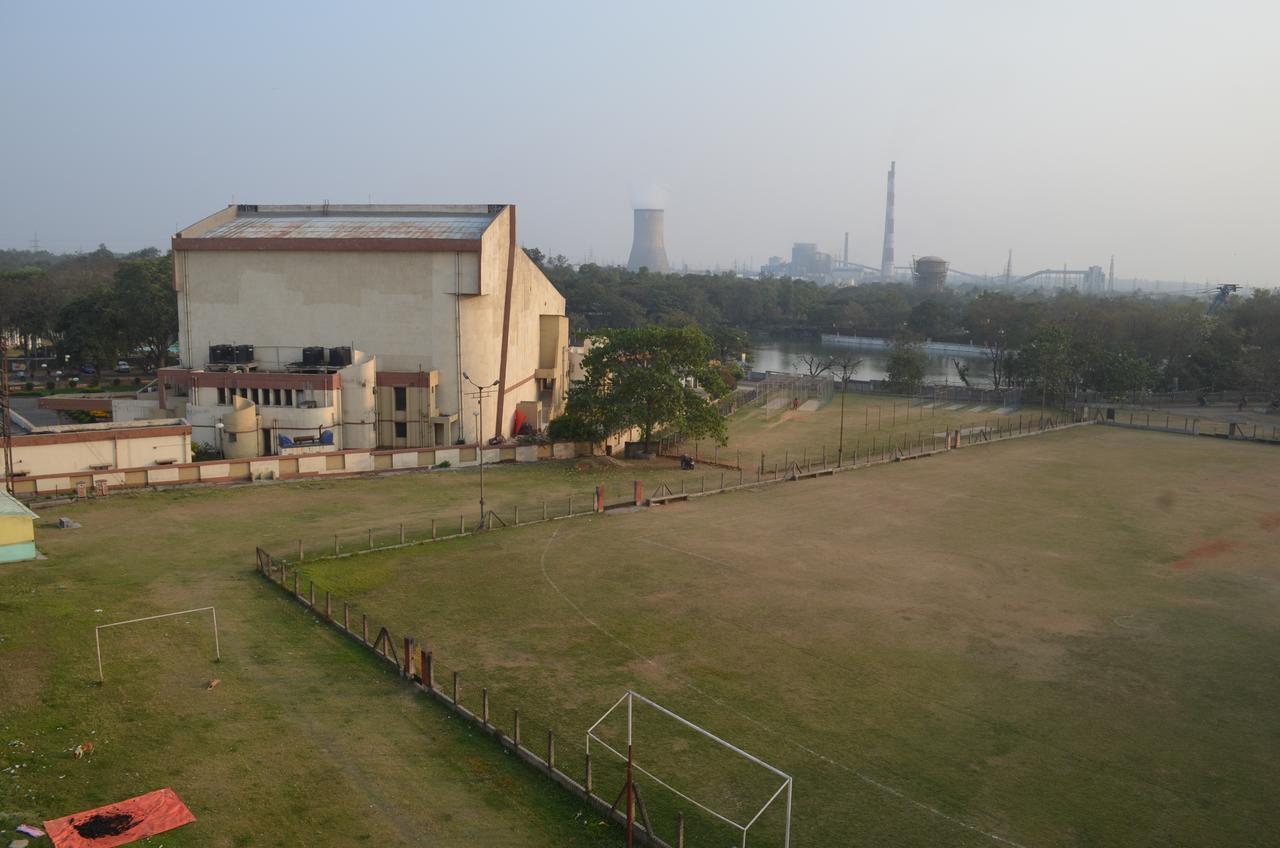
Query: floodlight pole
(479, 393)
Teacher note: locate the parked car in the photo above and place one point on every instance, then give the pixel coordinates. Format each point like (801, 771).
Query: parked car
(88, 369)
(122, 367)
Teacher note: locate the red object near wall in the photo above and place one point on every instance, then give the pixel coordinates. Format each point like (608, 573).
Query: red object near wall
(517, 423)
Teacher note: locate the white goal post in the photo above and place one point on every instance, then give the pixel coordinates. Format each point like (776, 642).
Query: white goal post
(630, 698)
(97, 631)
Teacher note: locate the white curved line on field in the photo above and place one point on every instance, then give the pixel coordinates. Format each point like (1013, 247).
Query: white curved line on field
(865, 778)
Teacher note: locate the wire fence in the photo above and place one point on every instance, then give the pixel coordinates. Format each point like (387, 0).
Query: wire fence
(562, 758)
(1170, 422)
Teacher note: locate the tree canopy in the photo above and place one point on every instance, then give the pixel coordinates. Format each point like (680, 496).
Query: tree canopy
(647, 377)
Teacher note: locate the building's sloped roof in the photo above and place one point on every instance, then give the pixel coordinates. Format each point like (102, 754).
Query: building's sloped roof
(9, 505)
(423, 225)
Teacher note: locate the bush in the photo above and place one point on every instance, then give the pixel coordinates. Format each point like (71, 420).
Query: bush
(442, 464)
(29, 386)
(201, 452)
(115, 381)
(51, 385)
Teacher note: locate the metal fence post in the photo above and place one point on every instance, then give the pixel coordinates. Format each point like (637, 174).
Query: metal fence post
(336, 548)
(484, 705)
(455, 688)
(551, 749)
(300, 553)
(515, 728)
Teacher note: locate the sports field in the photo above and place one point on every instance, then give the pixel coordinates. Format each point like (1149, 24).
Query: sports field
(813, 430)
(1066, 640)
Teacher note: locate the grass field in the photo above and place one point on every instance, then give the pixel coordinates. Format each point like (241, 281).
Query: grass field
(782, 434)
(1067, 640)
(308, 740)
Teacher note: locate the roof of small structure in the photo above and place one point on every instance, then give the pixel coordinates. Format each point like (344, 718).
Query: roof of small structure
(9, 505)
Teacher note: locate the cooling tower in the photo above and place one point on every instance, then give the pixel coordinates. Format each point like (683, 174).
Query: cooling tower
(648, 249)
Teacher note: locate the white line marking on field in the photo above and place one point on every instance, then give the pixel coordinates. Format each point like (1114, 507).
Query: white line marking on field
(865, 778)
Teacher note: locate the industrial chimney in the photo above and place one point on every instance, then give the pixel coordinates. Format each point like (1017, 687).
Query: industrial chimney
(648, 249)
(886, 258)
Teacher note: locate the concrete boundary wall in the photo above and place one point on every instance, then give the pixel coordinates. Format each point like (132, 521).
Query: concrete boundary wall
(291, 467)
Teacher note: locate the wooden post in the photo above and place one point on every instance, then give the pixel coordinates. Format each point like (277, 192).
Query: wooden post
(364, 627)
(517, 516)
(370, 538)
(484, 705)
(312, 601)
(462, 524)
(346, 617)
(328, 605)
(336, 549)
(587, 781)
(455, 687)
(679, 830)
(300, 555)
(428, 673)
(515, 728)
(433, 529)
(722, 480)
(544, 510)
(551, 750)
(402, 533)
(295, 585)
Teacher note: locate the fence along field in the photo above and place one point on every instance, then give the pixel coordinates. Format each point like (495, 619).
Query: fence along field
(901, 722)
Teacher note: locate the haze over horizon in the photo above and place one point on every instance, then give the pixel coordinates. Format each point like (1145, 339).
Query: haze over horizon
(1147, 130)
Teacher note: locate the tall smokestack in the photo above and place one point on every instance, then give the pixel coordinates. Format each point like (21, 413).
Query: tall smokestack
(648, 248)
(886, 258)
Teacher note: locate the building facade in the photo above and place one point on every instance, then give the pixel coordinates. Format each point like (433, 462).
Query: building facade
(319, 328)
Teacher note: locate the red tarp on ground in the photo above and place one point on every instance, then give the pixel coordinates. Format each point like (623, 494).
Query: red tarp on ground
(122, 823)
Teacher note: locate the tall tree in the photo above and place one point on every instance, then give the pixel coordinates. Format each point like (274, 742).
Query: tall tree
(146, 306)
(647, 377)
(906, 367)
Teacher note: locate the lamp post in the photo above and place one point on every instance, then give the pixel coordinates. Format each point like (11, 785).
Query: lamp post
(219, 427)
(479, 414)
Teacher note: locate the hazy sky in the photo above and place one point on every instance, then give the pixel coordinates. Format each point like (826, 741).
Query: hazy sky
(1065, 131)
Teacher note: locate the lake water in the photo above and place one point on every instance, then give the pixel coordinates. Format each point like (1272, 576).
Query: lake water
(777, 354)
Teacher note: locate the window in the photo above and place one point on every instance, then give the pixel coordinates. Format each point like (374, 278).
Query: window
(288, 397)
(402, 430)
(275, 397)
(402, 398)
(222, 396)
(231, 437)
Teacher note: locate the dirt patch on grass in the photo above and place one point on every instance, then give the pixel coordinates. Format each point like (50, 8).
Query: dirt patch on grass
(1199, 555)
(1271, 521)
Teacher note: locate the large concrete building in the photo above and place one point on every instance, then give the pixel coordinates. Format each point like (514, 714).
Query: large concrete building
(316, 328)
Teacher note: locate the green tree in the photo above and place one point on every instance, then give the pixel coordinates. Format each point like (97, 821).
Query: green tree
(89, 329)
(906, 368)
(146, 306)
(1046, 360)
(645, 377)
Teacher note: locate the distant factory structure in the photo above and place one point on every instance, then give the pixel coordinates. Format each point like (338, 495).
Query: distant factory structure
(648, 244)
(929, 273)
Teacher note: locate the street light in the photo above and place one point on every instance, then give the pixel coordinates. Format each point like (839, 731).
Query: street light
(479, 393)
(218, 427)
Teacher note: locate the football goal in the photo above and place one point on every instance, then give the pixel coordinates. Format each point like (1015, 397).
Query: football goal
(695, 765)
(97, 632)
